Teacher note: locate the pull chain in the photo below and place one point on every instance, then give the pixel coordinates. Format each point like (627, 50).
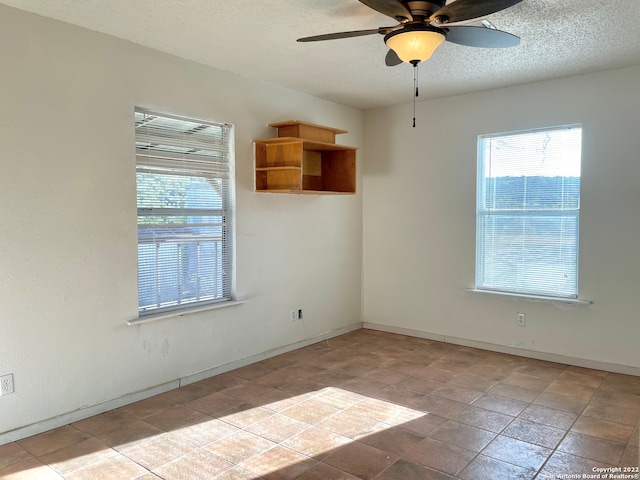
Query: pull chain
(415, 87)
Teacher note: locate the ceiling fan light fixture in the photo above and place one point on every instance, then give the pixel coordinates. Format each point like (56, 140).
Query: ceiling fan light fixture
(415, 44)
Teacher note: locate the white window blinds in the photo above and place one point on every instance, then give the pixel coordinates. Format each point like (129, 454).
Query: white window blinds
(527, 211)
(184, 175)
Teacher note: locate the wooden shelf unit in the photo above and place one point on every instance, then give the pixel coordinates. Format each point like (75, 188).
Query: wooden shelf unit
(306, 163)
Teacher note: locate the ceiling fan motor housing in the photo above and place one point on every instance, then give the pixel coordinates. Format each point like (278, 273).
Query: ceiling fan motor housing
(423, 10)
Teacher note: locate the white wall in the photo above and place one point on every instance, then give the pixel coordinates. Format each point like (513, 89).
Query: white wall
(68, 239)
(419, 218)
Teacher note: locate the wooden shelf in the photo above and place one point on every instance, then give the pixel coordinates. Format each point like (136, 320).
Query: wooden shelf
(272, 169)
(309, 165)
(307, 131)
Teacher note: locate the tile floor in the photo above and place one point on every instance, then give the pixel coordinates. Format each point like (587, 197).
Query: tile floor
(367, 405)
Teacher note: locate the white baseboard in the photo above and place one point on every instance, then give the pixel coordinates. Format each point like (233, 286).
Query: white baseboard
(521, 352)
(85, 412)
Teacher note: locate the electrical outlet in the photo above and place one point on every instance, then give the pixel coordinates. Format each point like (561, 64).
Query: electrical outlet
(6, 384)
(521, 320)
(293, 316)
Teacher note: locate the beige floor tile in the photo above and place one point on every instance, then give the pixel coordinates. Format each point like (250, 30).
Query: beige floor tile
(197, 465)
(377, 409)
(487, 468)
(612, 413)
(360, 460)
(349, 425)
(579, 390)
(276, 378)
(474, 381)
(593, 448)
(214, 403)
(535, 433)
(548, 416)
(399, 395)
(631, 456)
(157, 452)
(386, 375)
(30, 469)
(440, 406)
(278, 428)
(424, 425)
(581, 379)
(364, 385)
(78, 455)
(561, 402)
(174, 418)
(236, 473)
(102, 423)
(485, 419)
(530, 382)
(517, 452)
(464, 436)
(310, 411)
(439, 455)
(243, 415)
(595, 427)
(12, 453)
(117, 466)
(504, 405)
(405, 470)
(239, 446)
(52, 440)
(560, 463)
(338, 397)
(458, 393)
(316, 442)
(515, 392)
(130, 434)
(614, 397)
(279, 463)
(322, 471)
(205, 433)
(189, 393)
(394, 440)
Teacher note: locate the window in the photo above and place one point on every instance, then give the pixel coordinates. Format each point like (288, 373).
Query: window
(527, 212)
(184, 176)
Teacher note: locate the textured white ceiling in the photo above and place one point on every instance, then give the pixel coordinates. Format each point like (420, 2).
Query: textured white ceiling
(257, 39)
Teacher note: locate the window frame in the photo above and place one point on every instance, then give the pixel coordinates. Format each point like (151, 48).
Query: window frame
(168, 162)
(483, 213)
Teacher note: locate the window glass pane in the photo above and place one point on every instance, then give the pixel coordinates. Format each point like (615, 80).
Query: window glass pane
(528, 210)
(535, 255)
(533, 193)
(178, 191)
(174, 273)
(184, 205)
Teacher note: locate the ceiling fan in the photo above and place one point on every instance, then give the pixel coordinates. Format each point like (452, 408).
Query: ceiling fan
(424, 25)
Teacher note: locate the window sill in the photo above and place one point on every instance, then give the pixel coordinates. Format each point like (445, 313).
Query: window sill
(186, 311)
(534, 298)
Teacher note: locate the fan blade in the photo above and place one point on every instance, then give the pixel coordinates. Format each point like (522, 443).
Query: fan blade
(481, 37)
(461, 10)
(354, 33)
(391, 8)
(392, 59)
